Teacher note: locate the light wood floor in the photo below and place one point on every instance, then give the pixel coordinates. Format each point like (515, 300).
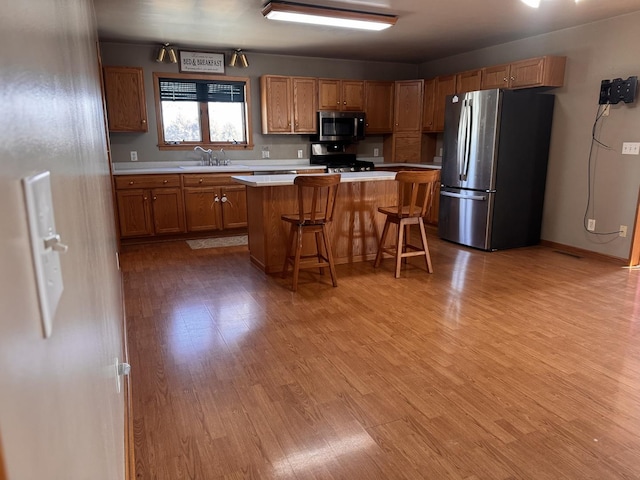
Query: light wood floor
(521, 364)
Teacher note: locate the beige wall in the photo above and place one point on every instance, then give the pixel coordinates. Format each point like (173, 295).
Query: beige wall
(597, 51)
(60, 415)
(280, 146)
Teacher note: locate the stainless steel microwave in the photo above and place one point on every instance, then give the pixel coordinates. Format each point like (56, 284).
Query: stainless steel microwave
(343, 127)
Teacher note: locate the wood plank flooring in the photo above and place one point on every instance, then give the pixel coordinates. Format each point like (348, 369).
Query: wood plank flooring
(521, 364)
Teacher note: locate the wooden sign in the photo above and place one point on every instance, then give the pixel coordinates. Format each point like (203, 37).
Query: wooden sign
(202, 62)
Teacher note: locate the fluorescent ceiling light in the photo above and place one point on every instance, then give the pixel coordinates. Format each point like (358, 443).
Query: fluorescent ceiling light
(531, 3)
(332, 17)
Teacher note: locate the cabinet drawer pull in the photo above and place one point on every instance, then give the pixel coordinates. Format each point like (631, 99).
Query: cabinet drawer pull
(131, 182)
(200, 181)
(165, 181)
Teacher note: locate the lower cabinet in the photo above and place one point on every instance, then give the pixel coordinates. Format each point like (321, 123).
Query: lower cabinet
(157, 204)
(214, 202)
(149, 205)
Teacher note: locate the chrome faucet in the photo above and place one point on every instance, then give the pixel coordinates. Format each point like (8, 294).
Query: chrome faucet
(223, 160)
(209, 153)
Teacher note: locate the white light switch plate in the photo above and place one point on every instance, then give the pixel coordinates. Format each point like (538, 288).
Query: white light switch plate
(45, 246)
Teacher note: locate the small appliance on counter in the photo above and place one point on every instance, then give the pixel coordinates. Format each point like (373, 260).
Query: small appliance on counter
(337, 158)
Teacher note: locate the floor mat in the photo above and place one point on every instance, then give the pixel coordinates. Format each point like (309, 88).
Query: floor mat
(218, 242)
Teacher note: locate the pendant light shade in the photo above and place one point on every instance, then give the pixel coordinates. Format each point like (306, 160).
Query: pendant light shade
(166, 52)
(239, 59)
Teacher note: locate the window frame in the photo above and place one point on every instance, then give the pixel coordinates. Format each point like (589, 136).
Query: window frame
(204, 114)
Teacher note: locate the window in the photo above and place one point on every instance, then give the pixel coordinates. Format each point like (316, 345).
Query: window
(202, 110)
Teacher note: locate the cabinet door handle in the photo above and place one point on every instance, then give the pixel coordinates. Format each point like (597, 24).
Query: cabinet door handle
(165, 181)
(145, 198)
(131, 182)
(200, 181)
(344, 103)
(144, 121)
(216, 199)
(513, 78)
(155, 198)
(504, 79)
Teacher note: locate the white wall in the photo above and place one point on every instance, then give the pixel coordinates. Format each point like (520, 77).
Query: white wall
(280, 146)
(60, 415)
(603, 50)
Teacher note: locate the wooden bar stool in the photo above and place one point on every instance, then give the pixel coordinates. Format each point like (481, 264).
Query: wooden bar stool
(415, 200)
(321, 190)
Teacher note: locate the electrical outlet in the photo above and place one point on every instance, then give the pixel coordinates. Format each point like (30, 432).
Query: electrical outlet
(299, 153)
(591, 224)
(631, 148)
(623, 231)
(605, 111)
(376, 152)
(134, 156)
(265, 152)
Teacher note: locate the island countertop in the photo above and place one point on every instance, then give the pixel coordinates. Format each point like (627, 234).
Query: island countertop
(287, 179)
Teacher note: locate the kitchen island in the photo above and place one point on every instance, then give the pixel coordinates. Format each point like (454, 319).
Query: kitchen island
(356, 226)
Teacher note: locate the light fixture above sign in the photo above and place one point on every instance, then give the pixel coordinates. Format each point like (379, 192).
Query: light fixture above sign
(166, 52)
(239, 56)
(332, 17)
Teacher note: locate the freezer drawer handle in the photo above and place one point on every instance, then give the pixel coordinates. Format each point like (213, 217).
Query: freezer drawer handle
(464, 197)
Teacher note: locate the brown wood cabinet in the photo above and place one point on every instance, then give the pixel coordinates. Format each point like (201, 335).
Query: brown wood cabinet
(469, 81)
(445, 85)
(288, 104)
(407, 114)
(378, 106)
(403, 147)
(343, 95)
(214, 202)
(429, 103)
(149, 205)
(125, 99)
(547, 71)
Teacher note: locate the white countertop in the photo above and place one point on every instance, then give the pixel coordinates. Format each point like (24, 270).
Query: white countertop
(287, 179)
(431, 166)
(238, 166)
(233, 168)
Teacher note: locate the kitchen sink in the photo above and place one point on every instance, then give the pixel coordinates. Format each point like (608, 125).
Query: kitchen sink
(215, 168)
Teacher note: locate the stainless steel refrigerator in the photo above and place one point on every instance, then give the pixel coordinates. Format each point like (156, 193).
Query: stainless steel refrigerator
(494, 167)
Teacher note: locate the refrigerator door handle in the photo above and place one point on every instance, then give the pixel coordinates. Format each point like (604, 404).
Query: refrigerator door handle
(461, 147)
(467, 139)
(464, 197)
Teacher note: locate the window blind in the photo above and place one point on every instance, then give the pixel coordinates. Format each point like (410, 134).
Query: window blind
(178, 90)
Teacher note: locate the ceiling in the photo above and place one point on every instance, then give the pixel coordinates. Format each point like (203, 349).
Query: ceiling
(426, 29)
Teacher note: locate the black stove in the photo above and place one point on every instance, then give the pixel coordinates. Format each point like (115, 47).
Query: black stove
(337, 160)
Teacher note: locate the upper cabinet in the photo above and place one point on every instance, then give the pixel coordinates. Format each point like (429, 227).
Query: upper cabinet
(407, 115)
(429, 104)
(126, 104)
(288, 104)
(342, 95)
(545, 71)
(445, 85)
(378, 106)
(469, 81)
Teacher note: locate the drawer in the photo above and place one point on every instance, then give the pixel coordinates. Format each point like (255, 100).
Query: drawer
(146, 181)
(209, 179)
